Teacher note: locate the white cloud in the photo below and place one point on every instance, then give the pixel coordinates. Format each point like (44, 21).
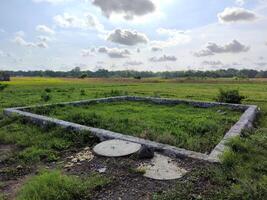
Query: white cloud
(261, 64)
(87, 53)
(156, 49)
(88, 21)
(203, 52)
(43, 38)
(21, 42)
(128, 8)
(175, 37)
(45, 29)
(69, 21)
(42, 45)
(213, 48)
(4, 54)
(127, 37)
(163, 58)
(212, 62)
(240, 2)
(114, 52)
(92, 21)
(133, 63)
(235, 14)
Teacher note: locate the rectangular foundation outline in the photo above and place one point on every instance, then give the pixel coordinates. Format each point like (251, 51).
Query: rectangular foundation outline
(246, 121)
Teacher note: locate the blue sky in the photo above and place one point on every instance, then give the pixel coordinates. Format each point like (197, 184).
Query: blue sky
(152, 35)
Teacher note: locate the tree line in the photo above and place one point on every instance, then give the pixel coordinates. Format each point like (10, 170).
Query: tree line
(102, 73)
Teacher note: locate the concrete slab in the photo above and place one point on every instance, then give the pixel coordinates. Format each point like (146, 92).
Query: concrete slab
(116, 148)
(162, 168)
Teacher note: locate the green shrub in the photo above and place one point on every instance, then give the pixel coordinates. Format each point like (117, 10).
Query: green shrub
(48, 90)
(82, 93)
(53, 185)
(229, 96)
(45, 97)
(3, 86)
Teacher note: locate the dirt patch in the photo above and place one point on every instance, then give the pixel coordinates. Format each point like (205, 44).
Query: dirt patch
(12, 174)
(126, 181)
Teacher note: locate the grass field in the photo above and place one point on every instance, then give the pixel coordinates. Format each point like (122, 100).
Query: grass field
(242, 175)
(197, 129)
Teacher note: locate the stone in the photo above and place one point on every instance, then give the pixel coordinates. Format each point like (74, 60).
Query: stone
(102, 170)
(19, 167)
(84, 155)
(162, 168)
(146, 152)
(116, 148)
(68, 165)
(74, 160)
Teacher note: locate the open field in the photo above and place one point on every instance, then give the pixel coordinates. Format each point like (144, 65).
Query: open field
(28, 148)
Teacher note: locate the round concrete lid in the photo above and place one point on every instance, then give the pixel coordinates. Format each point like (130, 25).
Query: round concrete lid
(116, 148)
(162, 168)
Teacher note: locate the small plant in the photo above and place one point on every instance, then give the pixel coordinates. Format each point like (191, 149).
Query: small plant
(139, 170)
(55, 185)
(82, 93)
(229, 96)
(45, 97)
(114, 93)
(48, 90)
(3, 86)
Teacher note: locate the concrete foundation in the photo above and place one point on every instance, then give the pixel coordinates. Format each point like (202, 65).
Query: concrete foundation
(245, 121)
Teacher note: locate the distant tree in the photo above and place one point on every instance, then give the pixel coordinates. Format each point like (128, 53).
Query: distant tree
(83, 76)
(138, 77)
(4, 76)
(76, 72)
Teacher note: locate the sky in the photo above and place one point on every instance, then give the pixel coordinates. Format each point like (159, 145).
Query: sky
(142, 35)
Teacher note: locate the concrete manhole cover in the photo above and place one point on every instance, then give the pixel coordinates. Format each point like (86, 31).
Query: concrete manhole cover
(162, 168)
(116, 148)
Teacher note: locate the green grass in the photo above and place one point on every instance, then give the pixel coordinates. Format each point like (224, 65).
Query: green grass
(243, 173)
(198, 129)
(51, 185)
(38, 144)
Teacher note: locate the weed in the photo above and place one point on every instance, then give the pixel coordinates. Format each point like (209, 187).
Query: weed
(41, 144)
(229, 96)
(34, 155)
(3, 86)
(114, 93)
(45, 97)
(171, 126)
(55, 185)
(82, 93)
(48, 90)
(138, 170)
